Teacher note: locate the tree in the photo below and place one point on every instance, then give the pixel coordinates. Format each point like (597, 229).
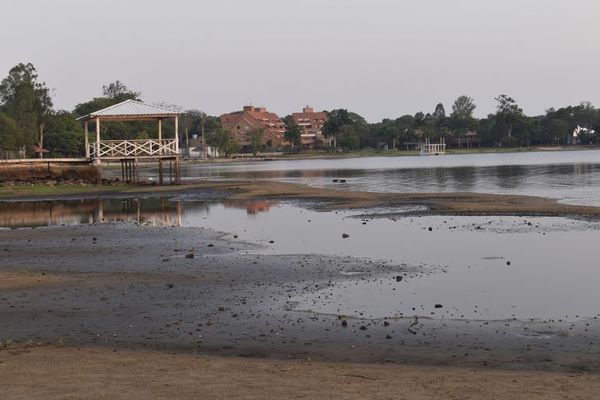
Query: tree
(221, 139)
(558, 129)
(342, 122)
(187, 120)
(508, 112)
(27, 100)
(9, 133)
(293, 134)
(119, 92)
(64, 135)
(463, 108)
(336, 119)
(115, 93)
(256, 137)
(461, 119)
(440, 112)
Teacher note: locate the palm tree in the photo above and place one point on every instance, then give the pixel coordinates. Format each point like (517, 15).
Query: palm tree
(336, 120)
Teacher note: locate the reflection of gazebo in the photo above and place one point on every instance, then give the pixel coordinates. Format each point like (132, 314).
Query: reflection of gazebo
(129, 151)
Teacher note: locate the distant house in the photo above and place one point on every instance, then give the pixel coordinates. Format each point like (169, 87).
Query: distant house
(199, 150)
(580, 132)
(471, 138)
(242, 123)
(311, 125)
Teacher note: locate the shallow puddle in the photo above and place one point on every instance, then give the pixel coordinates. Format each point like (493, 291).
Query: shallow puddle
(435, 266)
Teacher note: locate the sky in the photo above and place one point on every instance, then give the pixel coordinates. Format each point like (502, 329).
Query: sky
(379, 58)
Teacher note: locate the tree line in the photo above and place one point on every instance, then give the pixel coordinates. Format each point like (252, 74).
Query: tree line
(29, 124)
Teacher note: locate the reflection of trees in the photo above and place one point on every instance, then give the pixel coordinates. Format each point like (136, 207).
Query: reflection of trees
(156, 212)
(152, 211)
(462, 179)
(200, 207)
(43, 213)
(509, 176)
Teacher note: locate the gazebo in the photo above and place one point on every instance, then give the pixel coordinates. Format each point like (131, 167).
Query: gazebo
(130, 151)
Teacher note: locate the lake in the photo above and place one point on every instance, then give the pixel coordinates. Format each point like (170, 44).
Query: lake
(573, 177)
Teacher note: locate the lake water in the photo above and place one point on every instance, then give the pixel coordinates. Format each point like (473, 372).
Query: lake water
(486, 268)
(571, 176)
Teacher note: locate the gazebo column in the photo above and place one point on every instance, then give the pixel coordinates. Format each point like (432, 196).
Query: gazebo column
(177, 166)
(87, 140)
(176, 134)
(160, 152)
(97, 140)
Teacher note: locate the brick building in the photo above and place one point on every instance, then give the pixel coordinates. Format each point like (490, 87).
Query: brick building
(311, 124)
(242, 123)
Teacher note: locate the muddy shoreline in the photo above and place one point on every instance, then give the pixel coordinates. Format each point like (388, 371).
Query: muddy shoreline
(460, 203)
(122, 286)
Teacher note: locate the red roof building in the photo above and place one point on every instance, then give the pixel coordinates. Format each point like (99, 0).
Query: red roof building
(242, 123)
(311, 124)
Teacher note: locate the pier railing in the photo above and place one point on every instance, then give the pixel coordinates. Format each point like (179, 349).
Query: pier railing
(114, 149)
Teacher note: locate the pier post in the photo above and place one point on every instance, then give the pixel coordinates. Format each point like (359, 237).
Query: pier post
(160, 171)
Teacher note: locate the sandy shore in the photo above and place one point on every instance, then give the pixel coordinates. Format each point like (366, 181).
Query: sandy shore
(96, 373)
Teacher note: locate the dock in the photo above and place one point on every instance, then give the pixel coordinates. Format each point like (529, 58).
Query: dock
(433, 149)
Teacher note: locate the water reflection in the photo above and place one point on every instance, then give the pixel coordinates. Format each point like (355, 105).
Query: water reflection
(153, 212)
(252, 207)
(142, 211)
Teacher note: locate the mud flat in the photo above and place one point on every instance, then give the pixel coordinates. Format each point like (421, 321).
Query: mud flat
(117, 296)
(461, 203)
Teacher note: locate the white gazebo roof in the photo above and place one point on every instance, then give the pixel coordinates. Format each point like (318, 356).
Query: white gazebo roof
(132, 110)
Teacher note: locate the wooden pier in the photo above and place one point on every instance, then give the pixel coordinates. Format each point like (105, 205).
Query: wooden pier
(429, 149)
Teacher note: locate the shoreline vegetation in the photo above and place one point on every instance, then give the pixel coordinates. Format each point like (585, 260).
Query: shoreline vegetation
(30, 125)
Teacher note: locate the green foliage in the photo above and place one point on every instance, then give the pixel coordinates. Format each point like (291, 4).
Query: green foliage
(64, 137)
(463, 108)
(508, 115)
(188, 120)
(114, 93)
(346, 127)
(118, 92)
(440, 112)
(9, 133)
(256, 137)
(293, 134)
(221, 139)
(27, 101)
(27, 118)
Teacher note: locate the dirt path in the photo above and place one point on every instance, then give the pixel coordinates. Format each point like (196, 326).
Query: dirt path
(95, 373)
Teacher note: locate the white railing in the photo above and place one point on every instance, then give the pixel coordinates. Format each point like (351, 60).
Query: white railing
(133, 148)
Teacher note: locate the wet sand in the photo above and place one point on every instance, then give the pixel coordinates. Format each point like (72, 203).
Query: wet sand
(105, 289)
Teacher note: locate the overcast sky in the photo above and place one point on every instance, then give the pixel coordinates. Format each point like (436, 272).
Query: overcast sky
(380, 58)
